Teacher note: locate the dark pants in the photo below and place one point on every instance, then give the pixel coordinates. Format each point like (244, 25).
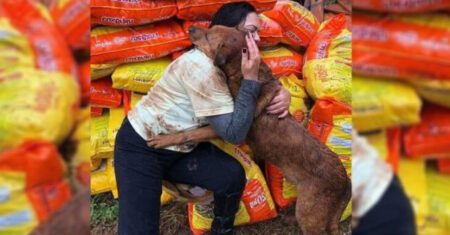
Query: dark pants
(392, 215)
(140, 170)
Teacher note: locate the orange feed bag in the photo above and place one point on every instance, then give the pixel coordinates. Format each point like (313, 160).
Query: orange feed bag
(430, 137)
(103, 95)
(299, 25)
(397, 48)
(131, 13)
(125, 45)
(205, 9)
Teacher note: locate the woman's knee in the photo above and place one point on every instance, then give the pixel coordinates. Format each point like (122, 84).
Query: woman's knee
(234, 179)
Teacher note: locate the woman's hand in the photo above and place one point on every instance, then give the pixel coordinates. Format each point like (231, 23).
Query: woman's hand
(162, 141)
(280, 103)
(250, 59)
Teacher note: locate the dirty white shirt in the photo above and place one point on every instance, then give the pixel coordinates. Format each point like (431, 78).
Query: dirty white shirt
(191, 89)
(371, 177)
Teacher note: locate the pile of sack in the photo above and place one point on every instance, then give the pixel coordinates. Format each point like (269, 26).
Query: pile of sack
(44, 93)
(401, 98)
(130, 51)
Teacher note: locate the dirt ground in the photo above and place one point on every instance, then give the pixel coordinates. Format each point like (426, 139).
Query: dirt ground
(174, 221)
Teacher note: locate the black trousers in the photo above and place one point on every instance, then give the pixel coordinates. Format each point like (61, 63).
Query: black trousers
(392, 215)
(140, 170)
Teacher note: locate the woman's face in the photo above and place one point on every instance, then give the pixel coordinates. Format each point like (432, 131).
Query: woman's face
(251, 25)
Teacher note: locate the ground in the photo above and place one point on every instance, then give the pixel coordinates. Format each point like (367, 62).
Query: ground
(174, 220)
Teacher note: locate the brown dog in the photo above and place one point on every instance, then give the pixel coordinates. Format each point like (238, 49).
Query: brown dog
(321, 180)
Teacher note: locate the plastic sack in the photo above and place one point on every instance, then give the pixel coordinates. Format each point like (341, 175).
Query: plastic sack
(382, 47)
(282, 61)
(331, 122)
(95, 163)
(444, 166)
(84, 79)
(387, 142)
(51, 51)
(402, 6)
(327, 71)
(125, 45)
(431, 137)
(38, 104)
(298, 107)
(379, 104)
(131, 99)
(299, 25)
(22, 209)
(99, 136)
(283, 192)
(103, 95)
(270, 32)
(256, 203)
(101, 70)
(80, 162)
(15, 49)
(434, 91)
(72, 19)
(205, 9)
(414, 181)
(39, 161)
(104, 179)
(16, 211)
(439, 204)
(131, 13)
(141, 76)
(47, 199)
(96, 111)
(116, 117)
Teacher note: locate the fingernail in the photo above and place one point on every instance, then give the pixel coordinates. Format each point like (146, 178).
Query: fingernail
(244, 50)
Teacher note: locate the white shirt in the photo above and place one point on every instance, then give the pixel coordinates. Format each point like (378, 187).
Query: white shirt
(191, 89)
(370, 177)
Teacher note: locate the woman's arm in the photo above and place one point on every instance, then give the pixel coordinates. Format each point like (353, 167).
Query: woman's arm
(232, 127)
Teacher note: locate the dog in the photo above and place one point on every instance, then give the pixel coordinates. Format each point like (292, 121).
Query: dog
(322, 183)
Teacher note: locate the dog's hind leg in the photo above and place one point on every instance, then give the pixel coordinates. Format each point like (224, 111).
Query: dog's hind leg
(311, 217)
(333, 225)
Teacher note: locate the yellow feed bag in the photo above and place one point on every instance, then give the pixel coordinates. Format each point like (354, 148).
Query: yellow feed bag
(378, 104)
(256, 202)
(141, 76)
(296, 88)
(36, 105)
(327, 70)
(101, 70)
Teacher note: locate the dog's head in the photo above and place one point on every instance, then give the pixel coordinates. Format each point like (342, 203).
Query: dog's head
(220, 43)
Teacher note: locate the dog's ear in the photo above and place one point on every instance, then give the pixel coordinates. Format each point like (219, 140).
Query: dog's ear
(197, 36)
(219, 58)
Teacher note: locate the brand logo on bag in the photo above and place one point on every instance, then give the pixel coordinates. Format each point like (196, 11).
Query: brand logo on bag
(116, 20)
(72, 11)
(144, 37)
(258, 200)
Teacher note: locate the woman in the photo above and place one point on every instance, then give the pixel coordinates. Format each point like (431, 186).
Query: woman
(190, 95)
(380, 205)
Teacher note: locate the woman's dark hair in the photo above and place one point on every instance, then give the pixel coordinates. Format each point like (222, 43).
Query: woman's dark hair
(232, 14)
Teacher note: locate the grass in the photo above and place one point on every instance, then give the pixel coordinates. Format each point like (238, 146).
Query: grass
(104, 211)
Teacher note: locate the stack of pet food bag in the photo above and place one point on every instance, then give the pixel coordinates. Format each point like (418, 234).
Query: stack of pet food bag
(44, 127)
(133, 42)
(401, 98)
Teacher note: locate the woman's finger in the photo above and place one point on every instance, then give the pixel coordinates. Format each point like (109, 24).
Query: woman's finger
(283, 114)
(273, 108)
